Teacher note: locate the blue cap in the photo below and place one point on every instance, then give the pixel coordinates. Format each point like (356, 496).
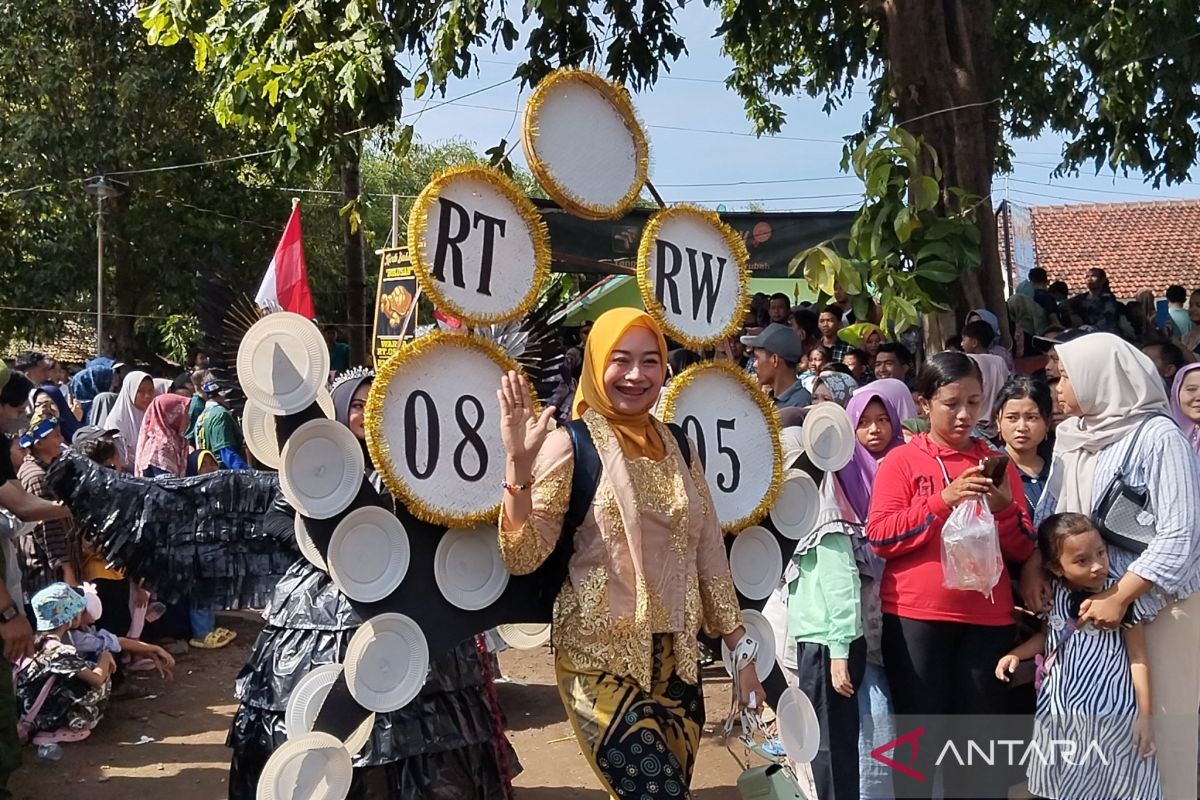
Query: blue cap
(38, 432)
(56, 605)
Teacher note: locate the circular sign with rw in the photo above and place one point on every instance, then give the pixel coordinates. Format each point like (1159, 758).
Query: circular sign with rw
(433, 427)
(479, 248)
(692, 273)
(736, 432)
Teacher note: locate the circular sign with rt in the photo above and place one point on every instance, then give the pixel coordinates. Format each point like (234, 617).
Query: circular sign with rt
(692, 273)
(479, 247)
(736, 431)
(433, 427)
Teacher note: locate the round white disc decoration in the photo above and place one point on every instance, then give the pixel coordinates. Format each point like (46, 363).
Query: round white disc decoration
(283, 362)
(368, 554)
(799, 730)
(828, 437)
(757, 627)
(736, 431)
(433, 427)
(387, 661)
(583, 143)
(524, 636)
(468, 568)
(305, 703)
(308, 547)
(756, 563)
(693, 276)
(479, 247)
(322, 468)
(797, 505)
(315, 766)
(258, 426)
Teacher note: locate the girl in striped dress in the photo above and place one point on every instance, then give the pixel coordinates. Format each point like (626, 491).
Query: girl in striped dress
(1093, 737)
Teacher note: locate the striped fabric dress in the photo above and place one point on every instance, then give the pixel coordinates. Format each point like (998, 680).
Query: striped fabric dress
(1083, 732)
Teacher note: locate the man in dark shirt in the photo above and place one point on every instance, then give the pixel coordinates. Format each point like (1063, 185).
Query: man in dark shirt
(1097, 306)
(828, 323)
(777, 352)
(1040, 281)
(780, 308)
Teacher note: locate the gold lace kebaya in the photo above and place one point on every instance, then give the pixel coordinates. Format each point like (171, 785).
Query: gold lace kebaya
(649, 557)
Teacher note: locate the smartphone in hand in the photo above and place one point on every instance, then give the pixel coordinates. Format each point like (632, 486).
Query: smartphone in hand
(995, 468)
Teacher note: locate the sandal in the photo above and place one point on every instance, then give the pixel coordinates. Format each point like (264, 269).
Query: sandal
(215, 640)
(142, 665)
(61, 736)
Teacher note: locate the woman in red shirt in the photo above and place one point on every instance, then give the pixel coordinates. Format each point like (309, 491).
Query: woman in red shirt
(939, 644)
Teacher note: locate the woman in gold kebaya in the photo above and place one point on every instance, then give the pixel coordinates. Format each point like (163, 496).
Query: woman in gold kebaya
(648, 567)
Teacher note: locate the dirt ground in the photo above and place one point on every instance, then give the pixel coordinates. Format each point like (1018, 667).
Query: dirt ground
(188, 720)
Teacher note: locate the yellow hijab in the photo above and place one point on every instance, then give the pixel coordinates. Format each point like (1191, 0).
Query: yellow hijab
(635, 432)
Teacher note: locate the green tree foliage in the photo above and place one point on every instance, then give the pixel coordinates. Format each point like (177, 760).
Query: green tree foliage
(902, 249)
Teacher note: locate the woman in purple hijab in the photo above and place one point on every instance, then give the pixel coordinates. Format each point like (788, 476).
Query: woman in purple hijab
(1185, 403)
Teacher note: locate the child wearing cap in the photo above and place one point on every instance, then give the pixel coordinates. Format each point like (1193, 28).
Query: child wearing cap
(91, 641)
(61, 696)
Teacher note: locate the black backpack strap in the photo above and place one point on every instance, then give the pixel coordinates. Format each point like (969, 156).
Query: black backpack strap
(585, 478)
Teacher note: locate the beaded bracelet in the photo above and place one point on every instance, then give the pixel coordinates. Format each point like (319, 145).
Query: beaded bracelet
(514, 488)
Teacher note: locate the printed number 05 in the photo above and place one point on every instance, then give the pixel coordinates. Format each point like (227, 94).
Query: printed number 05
(726, 483)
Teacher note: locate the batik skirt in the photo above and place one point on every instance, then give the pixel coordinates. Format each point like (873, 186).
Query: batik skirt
(638, 742)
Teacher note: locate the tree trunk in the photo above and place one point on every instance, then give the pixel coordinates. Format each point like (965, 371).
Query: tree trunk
(353, 260)
(944, 81)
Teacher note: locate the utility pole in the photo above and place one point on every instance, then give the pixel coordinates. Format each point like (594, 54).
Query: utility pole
(101, 189)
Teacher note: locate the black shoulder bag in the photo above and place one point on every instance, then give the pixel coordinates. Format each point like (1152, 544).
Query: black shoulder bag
(1121, 508)
(585, 479)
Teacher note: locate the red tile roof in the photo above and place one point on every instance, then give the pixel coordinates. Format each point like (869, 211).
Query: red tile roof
(1140, 245)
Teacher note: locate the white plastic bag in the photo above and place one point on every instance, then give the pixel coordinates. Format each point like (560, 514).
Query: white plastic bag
(971, 557)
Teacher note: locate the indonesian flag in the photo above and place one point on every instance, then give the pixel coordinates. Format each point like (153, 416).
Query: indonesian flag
(285, 286)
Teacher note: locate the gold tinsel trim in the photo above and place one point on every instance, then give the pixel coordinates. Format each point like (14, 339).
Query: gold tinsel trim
(418, 220)
(377, 443)
(741, 259)
(770, 413)
(565, 196)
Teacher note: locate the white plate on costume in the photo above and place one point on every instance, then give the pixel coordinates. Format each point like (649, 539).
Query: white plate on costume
(322, 468)
(368, 554)
(799, 730)
(468, 568)
(283, 362)
(305, 704)
(757, 627)
(524, 637)
(258, 426)
(387, 662)
(308, 548)
(315, 766)
(756, 562)
(797, 505)
(828, 437)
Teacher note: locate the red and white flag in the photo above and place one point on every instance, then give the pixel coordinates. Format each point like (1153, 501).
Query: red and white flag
(285, 286)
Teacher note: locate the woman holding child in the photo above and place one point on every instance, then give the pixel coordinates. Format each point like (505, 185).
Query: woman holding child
(1120, 429)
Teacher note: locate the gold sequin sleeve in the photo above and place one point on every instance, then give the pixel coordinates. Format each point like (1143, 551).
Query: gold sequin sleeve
(524, 549)
(718, 599)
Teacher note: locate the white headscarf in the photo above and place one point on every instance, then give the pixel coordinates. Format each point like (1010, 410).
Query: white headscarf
(126, 417)
(1116, 386)
(995, 372)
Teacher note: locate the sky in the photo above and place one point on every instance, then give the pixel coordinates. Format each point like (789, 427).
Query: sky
(702, 149)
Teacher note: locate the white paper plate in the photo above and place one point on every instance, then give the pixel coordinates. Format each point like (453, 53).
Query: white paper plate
(758, 628)
(322, 468)
(799, 730)
(305, 703)
(524, 637)
(368, 554)
(307, 548)
(828, 437)
(258, 426)
(756, 563)
(387, 662)
(315, 766)
(283, 362)
(797, 505)
(468, 568)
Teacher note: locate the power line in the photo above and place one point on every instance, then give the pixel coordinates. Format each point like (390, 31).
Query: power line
(1095, 191)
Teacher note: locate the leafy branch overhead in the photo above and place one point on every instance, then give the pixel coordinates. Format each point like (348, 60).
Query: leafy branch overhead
(909, 242)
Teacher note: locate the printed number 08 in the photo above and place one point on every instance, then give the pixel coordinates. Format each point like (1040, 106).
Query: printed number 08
(470, 431)
(691, 426)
